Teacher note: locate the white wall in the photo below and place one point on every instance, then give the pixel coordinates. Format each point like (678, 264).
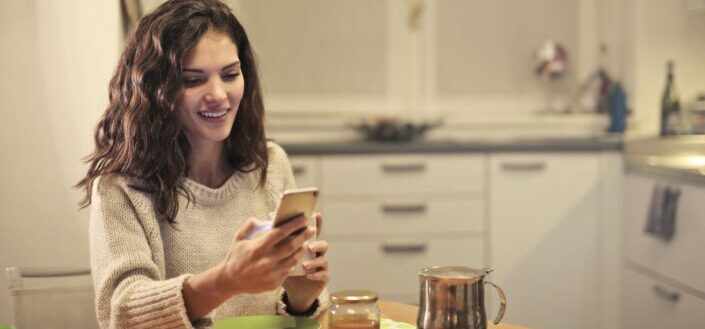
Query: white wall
(56, 60)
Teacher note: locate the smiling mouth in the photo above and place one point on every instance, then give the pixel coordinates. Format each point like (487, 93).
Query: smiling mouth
(213, 114)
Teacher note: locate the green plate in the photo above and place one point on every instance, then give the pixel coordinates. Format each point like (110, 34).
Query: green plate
(267, 322)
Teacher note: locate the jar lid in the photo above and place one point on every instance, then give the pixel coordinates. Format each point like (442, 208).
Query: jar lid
(452, 274)
(353, 297)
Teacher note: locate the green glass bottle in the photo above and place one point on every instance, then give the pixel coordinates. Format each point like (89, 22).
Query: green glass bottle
(670, 105)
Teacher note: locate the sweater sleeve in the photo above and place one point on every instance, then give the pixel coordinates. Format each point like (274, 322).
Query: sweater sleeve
(131, 288)
(321, 304)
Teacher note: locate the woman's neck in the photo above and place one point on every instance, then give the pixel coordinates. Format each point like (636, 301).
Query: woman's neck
(208, 165)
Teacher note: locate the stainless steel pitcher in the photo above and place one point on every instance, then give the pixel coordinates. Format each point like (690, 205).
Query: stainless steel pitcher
(453, 297)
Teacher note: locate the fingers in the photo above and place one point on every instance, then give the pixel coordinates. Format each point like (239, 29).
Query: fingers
(319, 265)
(318, 276)
(317, 269)
(287, 247)
(319, 247)
(266, 261)
(285, 230)
(319, 224)
(244, 232)
(286, 264)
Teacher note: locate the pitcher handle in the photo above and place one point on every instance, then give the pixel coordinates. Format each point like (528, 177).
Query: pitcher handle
(502, 302)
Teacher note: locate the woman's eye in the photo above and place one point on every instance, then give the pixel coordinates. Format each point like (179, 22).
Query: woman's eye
(188, 82)
(230, 76)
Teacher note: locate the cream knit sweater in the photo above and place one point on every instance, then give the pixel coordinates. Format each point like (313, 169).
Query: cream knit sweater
(139, 263)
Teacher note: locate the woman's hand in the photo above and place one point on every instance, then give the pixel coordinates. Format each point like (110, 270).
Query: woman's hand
(302, 291)
(262, 264)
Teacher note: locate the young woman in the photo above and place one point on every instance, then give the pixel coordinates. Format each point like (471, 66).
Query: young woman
(180, 173)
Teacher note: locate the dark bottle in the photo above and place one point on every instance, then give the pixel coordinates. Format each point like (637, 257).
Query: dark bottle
(670, 105)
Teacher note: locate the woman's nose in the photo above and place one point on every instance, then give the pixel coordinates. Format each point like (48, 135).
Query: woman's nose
(216, 92)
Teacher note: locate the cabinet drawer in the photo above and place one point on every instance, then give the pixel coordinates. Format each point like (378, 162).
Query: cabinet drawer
(390, 266)
(651, 304)
(378, 174)
(545, 218)
(305, 170)
(680, 258)
(403, 214)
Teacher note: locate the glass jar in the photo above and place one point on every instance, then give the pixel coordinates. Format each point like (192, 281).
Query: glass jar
(353, 309)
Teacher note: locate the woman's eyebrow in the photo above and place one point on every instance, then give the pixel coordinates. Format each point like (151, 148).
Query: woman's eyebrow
(226, 67)
(231, 65)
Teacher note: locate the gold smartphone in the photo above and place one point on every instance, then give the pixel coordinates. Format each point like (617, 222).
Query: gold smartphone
(294, 203)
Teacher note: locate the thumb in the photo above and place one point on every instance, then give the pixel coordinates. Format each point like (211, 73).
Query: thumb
(251, 228)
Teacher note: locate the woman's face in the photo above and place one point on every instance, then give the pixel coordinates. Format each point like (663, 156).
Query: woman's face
(213, 87)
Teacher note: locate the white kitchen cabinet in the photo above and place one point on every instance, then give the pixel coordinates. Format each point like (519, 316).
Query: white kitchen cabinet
(650, 303)
(403, 174)
(389, 264)
(545, 221)
(664, 279)
(406, 214)
(387, 216)
(680, 258)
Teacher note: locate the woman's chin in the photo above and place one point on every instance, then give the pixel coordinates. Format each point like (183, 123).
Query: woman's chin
(220, 137)
(215, 136)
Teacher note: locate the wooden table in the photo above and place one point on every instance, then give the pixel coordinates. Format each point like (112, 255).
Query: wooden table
(407, 313)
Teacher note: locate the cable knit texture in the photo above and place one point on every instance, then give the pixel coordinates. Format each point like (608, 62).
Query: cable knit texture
(139, 263)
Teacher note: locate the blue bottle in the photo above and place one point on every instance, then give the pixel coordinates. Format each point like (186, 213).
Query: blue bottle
(618, 109)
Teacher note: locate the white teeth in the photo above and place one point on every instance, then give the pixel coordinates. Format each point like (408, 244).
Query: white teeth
(213, 114)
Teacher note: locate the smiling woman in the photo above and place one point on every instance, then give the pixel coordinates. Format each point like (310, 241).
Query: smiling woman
(180, 172)
(213, 88)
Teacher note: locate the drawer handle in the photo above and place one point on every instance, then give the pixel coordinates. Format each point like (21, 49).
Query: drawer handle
(298, 170)
(404, 248)
(403, 167)
(403, 208)
(524, 166)
(666, 294)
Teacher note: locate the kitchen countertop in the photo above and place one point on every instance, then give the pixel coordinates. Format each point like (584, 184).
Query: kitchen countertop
(679, 157)
(533, 144)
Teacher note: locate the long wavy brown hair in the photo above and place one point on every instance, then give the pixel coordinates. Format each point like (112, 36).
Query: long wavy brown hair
(139, 136)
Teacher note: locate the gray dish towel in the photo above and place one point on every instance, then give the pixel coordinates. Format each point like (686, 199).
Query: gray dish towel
(661, 220)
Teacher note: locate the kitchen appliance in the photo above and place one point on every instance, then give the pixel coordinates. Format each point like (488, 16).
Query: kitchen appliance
(453, 297)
